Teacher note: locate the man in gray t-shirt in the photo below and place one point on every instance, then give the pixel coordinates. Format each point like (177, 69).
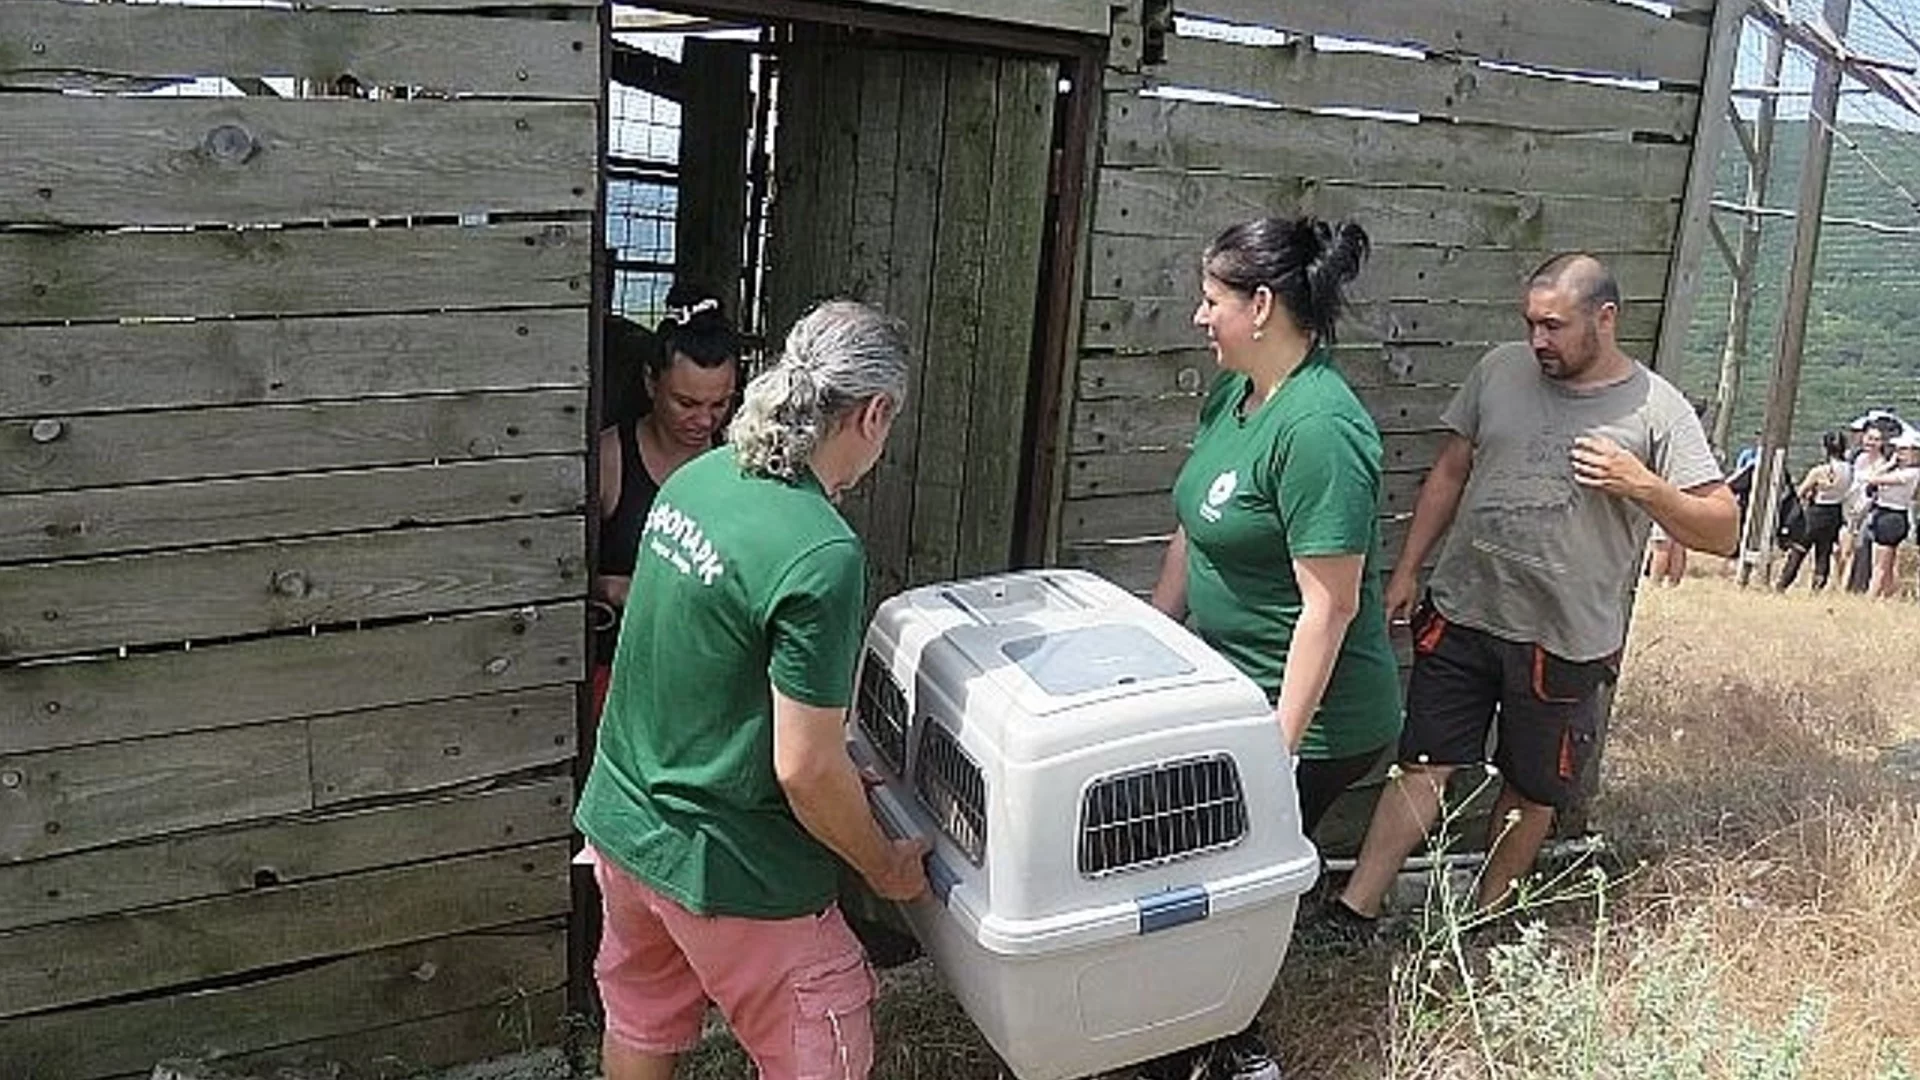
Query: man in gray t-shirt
(1563, 452)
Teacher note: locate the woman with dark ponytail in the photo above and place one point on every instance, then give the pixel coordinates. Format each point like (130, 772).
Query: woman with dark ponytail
(688, 371)
(1276, 563)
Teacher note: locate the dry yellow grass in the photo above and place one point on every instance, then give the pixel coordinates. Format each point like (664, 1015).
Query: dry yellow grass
(1755, 766)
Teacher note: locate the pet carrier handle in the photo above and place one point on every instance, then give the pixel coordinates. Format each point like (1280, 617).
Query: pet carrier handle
(897, 825)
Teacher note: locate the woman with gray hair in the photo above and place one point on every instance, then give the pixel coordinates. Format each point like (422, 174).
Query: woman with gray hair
(721, 792)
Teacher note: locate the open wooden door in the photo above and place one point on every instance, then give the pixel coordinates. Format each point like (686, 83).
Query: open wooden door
(917, 180)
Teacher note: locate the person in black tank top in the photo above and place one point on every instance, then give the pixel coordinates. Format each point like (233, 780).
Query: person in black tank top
(689, 372)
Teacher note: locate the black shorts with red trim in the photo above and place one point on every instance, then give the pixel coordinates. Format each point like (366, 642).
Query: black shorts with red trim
(1543, 709)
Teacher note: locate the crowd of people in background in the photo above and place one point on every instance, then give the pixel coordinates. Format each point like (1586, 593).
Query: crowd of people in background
(1850, 511)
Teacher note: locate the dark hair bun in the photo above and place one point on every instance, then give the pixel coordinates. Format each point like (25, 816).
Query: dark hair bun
(695, 325)
(1304, 262)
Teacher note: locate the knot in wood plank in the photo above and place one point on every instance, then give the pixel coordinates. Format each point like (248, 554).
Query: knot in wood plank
(291, 583)
(46, 431)
(230, 144)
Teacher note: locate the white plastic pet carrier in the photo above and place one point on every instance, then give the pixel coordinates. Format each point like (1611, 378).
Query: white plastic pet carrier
(1117, 847)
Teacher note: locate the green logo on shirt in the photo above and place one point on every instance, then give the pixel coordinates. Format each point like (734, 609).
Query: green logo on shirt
(1218, 493)
(689, 551)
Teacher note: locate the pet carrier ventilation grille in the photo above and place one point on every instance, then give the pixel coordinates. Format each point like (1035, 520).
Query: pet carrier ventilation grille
(1155, 815)
(950, 784)
(882, 712)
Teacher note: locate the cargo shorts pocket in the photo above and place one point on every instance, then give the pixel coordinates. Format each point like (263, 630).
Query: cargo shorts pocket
(833, 1020)
(1559, 681)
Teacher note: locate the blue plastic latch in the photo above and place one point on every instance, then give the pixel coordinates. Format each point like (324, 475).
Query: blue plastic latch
(1175, 907)
(940, 880)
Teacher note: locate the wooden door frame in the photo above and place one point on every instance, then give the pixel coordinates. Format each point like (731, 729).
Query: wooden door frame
(1063, 250)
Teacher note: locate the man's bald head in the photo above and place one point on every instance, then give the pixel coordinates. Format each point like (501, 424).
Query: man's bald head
(1583, 277)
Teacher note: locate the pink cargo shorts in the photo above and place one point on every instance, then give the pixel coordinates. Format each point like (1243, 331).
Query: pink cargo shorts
(796, 992)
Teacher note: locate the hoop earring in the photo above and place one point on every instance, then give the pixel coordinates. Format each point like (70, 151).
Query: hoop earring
(1258, 334)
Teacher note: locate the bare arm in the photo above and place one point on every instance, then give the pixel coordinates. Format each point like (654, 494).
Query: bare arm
(824, 788)
(1816, 476)
(1329, 597)
(610, 587)
(1170, 591)
(1432, 515)
(1705, 517)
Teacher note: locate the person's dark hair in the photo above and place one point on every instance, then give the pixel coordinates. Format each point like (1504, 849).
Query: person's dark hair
(629, 350)
(1304, 262)
(1592, 283)
(694, 326)
(1835, 444)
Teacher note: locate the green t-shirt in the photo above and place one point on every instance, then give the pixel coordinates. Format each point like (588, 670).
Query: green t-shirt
(1300, 477)
(750, 583)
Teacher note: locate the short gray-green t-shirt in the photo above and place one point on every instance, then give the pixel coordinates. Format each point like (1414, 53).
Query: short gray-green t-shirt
(1532, 555)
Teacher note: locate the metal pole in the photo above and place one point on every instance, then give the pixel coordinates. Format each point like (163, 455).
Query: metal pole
(1784, 387)
(1740, 307)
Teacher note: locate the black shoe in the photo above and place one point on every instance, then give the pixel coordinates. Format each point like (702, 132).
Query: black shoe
(1336, 927)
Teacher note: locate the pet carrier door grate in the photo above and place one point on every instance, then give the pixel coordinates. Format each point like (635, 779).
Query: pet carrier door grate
(950, 784)
(881, 712)
(1155, 815)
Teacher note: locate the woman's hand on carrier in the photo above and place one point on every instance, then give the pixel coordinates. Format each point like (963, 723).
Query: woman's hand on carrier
(903, 875)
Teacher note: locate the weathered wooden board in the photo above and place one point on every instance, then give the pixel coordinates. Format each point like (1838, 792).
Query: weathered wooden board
(791, 245)
(1448, 87)
(1159, 324)
(1150, 513)
(1189, 135)
(836, 161)
(420, 1047)
(81, 160)
(1074, 16)
(419, 747)
(74, 962)
(955, 317)
(1106, 376)
(51, 370)
(1148, 266)
(337, 997)
(55, 276)
(105, 521)
(1573, 35)
(1154, 202)
(710, 215)
(1004, 360)
(893, 219)
(488, 6)
(1135, 564)
(74, 703)
(1491, 322)
(96, 604)
(441, 54)
(1152, 471)
(280, 851)
(55, 453)
(1121, 424)
(77, 798)
(1682, 289)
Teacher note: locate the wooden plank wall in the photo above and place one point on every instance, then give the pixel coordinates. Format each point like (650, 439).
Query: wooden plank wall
(1472, 138)
(293, 397)
(916, 179)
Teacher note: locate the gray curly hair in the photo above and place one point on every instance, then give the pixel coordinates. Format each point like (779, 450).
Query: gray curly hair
(839, 356)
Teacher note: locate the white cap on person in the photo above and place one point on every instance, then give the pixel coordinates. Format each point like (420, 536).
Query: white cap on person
(1908, 439)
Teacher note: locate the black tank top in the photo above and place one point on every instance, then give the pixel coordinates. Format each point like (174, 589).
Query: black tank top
(620, 532)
